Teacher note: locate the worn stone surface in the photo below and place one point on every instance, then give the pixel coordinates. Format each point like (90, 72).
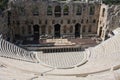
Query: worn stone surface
(23, 20)
(113, 18)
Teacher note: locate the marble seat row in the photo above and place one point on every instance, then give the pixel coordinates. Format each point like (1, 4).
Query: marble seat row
(62, 59)
(100, 62)
(10, 50)
(57, 60)
(109, 46)
(103, 57)
(98, 55)
(8, 74)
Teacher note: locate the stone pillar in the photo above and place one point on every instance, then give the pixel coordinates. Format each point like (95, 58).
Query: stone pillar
(53, 32)
(47, 27)
(81, 32)
(61, 31)
(53, 8)
(62, 11)
(26, 30)
(32, 30)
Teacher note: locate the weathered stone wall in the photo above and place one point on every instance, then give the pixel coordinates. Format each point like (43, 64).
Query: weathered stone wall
(113, 18)
(3, 26)
(22, 19)
(110, 20)
(102, 21)
(22, 24)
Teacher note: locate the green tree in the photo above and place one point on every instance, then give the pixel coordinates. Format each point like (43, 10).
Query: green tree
(111, 1)
(3, 3)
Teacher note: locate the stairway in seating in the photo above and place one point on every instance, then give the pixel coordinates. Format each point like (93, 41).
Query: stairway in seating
(60, 41)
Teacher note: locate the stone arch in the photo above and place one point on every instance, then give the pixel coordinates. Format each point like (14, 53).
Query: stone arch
(92, 10)
(78, 10)
(57, 11)
(57, 31)
(49, 10)
(36, 32)
(77, 30)
(100, 32)
(66, 10)
(103, 12)
(35, 11)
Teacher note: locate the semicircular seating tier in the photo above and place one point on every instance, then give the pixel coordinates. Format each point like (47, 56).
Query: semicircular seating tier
(8, 72)
(10, 50)
(103, 57)
(62, 60)
(55, 60)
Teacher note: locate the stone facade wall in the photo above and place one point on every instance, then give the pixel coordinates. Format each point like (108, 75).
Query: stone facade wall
(3, 26)
(23, 20)
(113, 18)
(110, 21)
(102, 25)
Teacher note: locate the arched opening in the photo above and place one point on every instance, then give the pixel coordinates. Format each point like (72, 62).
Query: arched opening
(35, 11)
(57, 30)
(79, 10)
(66, 10)
(77, 30)
(36, 32)
(92, 10)
(57, 11)
(49, 10)
(103, 12)
(100, 32)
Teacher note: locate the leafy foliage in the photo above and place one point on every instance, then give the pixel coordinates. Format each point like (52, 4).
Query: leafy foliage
(111, 1)
(3, 3)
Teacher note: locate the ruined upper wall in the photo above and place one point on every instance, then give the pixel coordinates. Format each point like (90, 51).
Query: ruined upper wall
(60, 1)
(108, 21)
(113, 18)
